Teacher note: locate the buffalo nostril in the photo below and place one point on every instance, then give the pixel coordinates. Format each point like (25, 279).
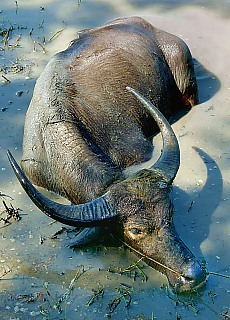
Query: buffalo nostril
(193, 278)
(195, 274)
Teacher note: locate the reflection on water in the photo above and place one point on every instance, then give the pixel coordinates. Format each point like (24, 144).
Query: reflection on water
(206, 80)
(30, 258)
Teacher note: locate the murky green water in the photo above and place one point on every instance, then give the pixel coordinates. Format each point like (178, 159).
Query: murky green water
(36, 271)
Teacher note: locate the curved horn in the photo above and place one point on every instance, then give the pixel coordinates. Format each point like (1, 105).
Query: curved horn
(90, 214)
(169, 160)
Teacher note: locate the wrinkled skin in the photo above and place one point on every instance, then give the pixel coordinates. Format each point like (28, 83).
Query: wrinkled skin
(83, 129)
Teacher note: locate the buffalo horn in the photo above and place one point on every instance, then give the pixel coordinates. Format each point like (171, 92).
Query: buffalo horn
(169, 160)
(83, 215)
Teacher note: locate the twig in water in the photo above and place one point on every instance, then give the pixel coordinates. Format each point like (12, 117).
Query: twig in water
(130, 268)
(5, 78)
(45, 285)
(212, 295)
(41, 25)
(7, 36)
(58, 304)
(11, 212)
(203, 266)
(135, 265)
(218, 274)
(124, 294)
(16, 4)
(96, 294)
(55, 35)
(41, 45)
(190, 207)
(31, 31)
(5, 272)
(17, 41)
(191, 305)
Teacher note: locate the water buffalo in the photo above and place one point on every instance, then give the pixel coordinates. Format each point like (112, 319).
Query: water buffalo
(83, 128)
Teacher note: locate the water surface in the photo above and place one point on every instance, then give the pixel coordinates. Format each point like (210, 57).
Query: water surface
(201, 189)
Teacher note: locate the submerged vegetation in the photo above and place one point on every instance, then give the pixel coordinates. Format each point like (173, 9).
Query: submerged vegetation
(9, 213)
(59, 303)
(13, 37)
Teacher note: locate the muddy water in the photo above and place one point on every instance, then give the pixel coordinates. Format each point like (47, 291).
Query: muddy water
(35, 270)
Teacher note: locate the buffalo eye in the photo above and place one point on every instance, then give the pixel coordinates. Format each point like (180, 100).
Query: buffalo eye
(135, 230)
